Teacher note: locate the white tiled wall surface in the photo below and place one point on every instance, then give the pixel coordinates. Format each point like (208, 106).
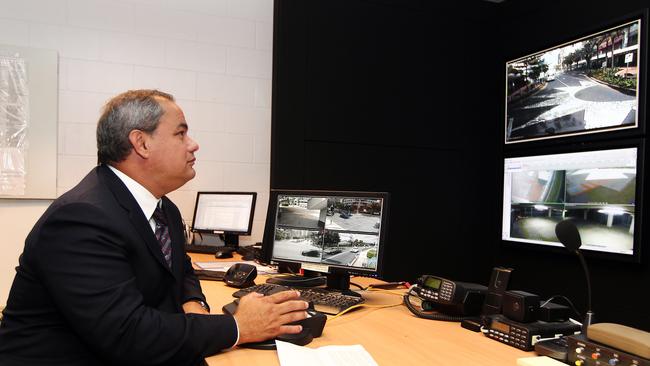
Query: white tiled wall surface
(214, 56)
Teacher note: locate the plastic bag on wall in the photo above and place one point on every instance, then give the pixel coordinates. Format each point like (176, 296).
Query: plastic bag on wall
(14, 117)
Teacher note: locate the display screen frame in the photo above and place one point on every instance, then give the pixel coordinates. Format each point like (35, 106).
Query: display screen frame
(635, 255)
(557, 109)
(250, 214)
(322, 265)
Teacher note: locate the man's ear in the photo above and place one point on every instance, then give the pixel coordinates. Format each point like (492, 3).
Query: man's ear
(139, 140)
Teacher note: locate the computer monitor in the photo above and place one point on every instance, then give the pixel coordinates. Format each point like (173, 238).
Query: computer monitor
(338, 233)
(225, 213)
(597, 187)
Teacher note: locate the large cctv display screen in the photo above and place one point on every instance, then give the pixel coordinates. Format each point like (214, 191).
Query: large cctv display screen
(598, 189)
(585, 86)
(337, 229)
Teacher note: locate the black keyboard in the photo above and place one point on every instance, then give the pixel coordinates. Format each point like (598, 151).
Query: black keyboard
(324, 300)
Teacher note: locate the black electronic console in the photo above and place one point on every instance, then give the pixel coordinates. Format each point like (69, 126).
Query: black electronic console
(524, 335)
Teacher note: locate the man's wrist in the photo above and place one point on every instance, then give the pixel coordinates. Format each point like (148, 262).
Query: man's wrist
(203, 304)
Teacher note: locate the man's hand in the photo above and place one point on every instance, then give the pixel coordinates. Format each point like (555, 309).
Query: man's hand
(194, 308)
(264, 317)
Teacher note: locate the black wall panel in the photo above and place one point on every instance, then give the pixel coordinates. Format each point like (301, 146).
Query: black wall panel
(376, 98)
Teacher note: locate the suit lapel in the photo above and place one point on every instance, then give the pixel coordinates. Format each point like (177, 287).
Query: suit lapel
(140, 223)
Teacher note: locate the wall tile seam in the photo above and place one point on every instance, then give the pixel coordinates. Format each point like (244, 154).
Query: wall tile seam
(167, 37)
(29, 21)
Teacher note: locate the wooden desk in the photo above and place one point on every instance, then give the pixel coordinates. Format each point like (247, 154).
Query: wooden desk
(393, 336)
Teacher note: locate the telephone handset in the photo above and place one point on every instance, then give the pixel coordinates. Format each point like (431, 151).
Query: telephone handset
(240, 275)
(453, 300)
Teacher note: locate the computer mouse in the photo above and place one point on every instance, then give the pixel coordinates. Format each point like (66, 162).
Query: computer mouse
(301, 339)
(312, 327)
(223, 253)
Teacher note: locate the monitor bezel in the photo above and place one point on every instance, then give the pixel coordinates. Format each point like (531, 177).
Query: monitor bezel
(639, 144)
(628, 131)
(269, 232)
(224, 193)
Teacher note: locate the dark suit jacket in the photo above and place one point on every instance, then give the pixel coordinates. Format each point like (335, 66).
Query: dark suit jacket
(93, 288)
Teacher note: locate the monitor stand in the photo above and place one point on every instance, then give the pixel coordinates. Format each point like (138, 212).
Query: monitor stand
(308, 279)
(231, 240)
(340, 282)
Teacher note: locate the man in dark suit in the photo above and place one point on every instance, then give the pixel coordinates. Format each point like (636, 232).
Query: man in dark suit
(104, 278)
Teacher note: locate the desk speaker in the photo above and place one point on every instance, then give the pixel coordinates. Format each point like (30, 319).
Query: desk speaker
(520, 306)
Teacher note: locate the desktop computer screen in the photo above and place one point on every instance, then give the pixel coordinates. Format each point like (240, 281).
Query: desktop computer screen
(334, 232)
(228, 213)
(599, 189)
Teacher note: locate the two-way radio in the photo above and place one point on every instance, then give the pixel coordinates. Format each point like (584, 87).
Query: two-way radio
(525, 335)
(451, 297)
(444, 299)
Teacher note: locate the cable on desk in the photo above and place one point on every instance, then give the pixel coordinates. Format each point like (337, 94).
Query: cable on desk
(384, 291)
(364, 305)
(389, 285)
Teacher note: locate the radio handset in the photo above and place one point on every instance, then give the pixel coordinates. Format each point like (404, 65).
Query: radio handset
(453, 300)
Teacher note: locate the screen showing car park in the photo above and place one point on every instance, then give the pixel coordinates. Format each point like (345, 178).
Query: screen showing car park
(339, 231)
(596, 189)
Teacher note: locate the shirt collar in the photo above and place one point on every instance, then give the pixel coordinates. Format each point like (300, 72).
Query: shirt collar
(143, 197)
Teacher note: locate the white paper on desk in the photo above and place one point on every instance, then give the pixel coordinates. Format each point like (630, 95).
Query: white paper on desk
(223, 266)
(292, 355)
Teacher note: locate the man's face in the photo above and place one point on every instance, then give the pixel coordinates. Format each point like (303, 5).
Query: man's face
(172, 149)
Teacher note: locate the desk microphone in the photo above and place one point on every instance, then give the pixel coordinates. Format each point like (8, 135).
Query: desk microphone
(569, 236)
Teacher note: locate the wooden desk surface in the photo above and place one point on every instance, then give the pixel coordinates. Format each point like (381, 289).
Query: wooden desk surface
(393, 336)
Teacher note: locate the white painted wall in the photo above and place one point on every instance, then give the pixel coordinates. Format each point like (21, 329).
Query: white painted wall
(214, 56)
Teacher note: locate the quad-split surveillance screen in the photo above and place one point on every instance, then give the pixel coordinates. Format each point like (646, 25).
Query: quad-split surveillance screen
(335, 231)
(596, 189)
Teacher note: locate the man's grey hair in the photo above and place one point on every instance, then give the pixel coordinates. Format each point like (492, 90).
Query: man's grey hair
(132, 110)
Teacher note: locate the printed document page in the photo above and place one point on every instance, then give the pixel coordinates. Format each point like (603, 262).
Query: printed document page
(292, 355)
(223, 266)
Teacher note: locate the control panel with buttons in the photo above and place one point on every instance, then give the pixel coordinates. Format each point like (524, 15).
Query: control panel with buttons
(583, 352)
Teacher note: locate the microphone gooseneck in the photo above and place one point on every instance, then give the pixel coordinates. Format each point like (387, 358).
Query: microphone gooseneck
(568, 234)
(584, 266)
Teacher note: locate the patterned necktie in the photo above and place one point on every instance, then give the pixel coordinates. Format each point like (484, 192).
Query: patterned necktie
(162, 234)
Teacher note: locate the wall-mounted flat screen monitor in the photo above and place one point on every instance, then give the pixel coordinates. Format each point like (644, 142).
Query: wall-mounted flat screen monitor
(588, 85)
(599, 189)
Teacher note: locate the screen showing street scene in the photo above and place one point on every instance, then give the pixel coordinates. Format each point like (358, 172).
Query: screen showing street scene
(340, 231)
(596, 189)
(586, 86)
